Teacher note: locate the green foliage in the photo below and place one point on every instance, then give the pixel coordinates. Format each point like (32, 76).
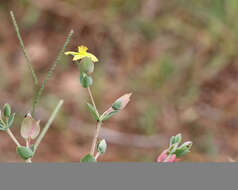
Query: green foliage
(117, 105)
(85, 80)
(108, 115)
(88, 158)
(7, 110)
(93, 111)
(24, 152)
(174, 147)
(8, 119)
(11, 120)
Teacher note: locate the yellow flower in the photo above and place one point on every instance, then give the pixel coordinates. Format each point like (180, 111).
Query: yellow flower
(82, 52)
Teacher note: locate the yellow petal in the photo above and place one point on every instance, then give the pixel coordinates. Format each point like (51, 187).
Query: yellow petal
(82, 49)
(77, 57)
(70, 53)
(93, 57)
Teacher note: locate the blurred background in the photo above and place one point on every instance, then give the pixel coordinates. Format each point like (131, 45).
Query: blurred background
(177, 57)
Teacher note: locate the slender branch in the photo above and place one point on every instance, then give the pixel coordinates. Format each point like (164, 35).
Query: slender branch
(24, 49)
(97, 155)
(99, 124)
(28, 146)
(48, 124)
(91, 97)
(9, 132)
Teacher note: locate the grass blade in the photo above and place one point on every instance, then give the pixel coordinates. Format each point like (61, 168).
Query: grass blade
(51, 70)
(23, 48)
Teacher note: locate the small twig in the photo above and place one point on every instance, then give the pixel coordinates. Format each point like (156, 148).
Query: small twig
(48, 124)
(24, 49)
(51, 70)
(97, 155)
(91, 97)
(9, 132)
(99, 124)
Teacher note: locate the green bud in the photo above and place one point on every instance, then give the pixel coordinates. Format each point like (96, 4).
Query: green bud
(102, 146)
(173, 148)
(85, 80)
(88, 158)
(7, 110)
(86, 65)
(24, 152)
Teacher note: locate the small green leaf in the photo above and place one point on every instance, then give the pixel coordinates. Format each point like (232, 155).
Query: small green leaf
(172, 141)
(88, 158)
(183, 149)
(24, 152)
(2, 127)
(178, 138)
(172, 148)
(11, 119)
(7, 110)
(85, 80)
(102, 146)
(109, 115)
(181, 152)
(117, 105)
(93, 111)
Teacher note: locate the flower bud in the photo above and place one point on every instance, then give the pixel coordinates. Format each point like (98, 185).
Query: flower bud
(102, 146)
(86, 65)
(121, 102)
(85, 80)
(163, 156)
(30, 128)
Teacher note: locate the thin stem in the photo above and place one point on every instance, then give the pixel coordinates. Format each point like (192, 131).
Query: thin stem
(51, 70)
(97, 155)
(91, 97)
(24, 49)
(98, 127)
(48, 124)
(28, 141)
(9, 132)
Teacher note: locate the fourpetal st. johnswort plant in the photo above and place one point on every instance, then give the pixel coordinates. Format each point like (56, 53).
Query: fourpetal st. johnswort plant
(32, 133)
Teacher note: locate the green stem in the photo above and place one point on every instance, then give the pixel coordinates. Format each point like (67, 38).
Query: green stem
(48, 124)
(92, 100)
(24, 49)
(98, 127)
